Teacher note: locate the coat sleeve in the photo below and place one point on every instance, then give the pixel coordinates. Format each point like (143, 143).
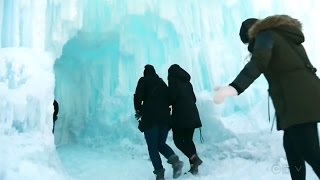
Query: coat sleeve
(258, 64)
(138, 95)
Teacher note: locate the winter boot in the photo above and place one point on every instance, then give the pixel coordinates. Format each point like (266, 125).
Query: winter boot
(159, 174)
(176, 165)
(190, 166)
(194, 164)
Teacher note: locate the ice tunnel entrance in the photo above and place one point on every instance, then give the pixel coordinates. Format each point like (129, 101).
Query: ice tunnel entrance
(97, 73)
(86, 81)
(96, 76)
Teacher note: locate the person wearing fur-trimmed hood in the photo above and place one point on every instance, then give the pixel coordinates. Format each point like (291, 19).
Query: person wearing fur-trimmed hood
(275, 44)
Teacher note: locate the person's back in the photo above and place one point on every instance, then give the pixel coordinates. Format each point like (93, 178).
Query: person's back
(153, 92)
(182, 98)
(151, 102)
(275, 43)
(277, 51)
(290, 73)
(185, 115)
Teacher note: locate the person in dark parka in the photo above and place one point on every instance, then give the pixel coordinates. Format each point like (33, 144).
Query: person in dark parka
(184, 113)
(55, 113)
(277, 52)
(151, 102)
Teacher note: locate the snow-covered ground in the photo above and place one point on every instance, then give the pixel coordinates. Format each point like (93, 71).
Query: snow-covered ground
(89, 55)
(259, 159)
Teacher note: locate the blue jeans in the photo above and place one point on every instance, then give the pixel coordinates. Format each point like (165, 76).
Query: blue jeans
(156, 140)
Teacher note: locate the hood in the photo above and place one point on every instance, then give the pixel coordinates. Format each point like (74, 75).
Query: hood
(149, 71)
(175, 71)
(285, 25)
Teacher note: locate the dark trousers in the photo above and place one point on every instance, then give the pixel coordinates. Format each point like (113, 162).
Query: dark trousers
(183, 139)
(156, 140)
(301, 143)
(55, 118)
(53, 127)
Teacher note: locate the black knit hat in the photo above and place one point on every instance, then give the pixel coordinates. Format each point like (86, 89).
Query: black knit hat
(245, 26)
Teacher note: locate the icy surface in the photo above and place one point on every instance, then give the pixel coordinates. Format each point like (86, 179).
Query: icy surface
(26, 95)
(89, 54)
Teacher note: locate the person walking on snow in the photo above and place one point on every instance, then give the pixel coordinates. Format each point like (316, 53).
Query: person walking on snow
(275, 44)
(151, 102)
(55, 113)
(185, 115)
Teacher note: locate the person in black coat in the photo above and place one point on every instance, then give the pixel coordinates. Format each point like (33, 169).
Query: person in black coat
(184, 113)
(55, 113)
(151, 102)
(277, 52)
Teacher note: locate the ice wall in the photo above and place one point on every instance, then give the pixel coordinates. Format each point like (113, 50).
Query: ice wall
(26, 93)
(119, 37)
(26, 81)
(105, 45)
(32, 33)
(39, 24)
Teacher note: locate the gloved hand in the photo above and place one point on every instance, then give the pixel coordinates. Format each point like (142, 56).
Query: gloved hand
(222, 92)
(138, 115)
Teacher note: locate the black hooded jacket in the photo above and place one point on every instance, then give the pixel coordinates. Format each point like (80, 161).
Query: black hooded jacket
(184, 110)
(56, 110)
(278, 54)
(151, 98)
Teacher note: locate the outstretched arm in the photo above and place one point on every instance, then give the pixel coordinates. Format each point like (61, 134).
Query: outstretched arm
(258, 64)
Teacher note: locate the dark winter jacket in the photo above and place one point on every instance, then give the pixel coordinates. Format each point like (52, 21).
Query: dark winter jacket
(56, 110)
(151, 98)
(184, 110)
(278, 53)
